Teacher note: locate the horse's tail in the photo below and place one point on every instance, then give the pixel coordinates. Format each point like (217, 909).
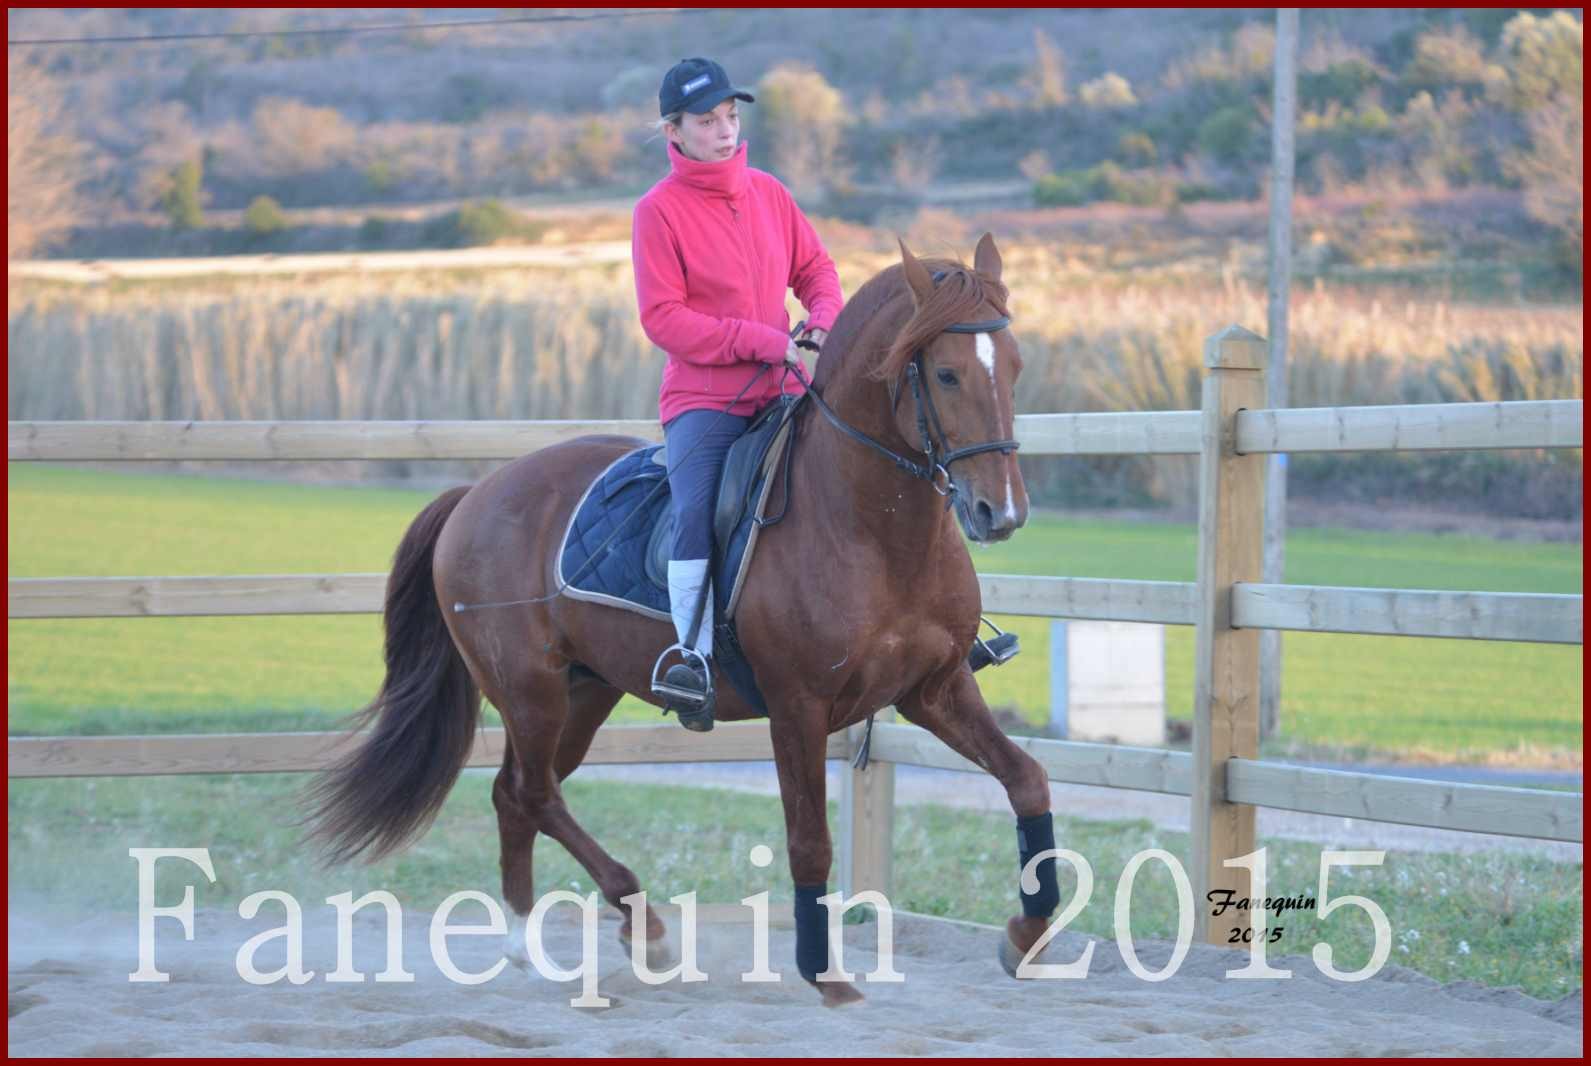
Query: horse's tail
(382, 794)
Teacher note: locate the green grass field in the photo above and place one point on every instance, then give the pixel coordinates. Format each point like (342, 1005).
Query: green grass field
(1498, 918)
(1375, 697)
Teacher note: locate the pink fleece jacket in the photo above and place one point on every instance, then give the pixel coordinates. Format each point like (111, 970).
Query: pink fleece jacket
(715, 246)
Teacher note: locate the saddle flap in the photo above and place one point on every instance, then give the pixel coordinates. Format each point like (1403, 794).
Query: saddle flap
(660, 548)
(744, 466)
(601, 554)
(631, 572)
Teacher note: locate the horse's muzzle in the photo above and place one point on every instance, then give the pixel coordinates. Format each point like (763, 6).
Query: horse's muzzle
(984, 524)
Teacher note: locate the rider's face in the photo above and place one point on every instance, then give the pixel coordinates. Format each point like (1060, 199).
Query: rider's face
(709, 138)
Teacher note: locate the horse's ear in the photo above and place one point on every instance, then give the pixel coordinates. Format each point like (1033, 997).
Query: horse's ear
(986, 260)
(922, 285)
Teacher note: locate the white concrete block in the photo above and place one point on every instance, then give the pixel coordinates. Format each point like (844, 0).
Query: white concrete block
(1108, 682)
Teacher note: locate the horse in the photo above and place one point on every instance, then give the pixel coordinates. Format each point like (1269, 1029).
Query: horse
(863, 596)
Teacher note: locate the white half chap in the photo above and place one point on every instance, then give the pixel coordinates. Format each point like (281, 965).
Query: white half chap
(685, 580)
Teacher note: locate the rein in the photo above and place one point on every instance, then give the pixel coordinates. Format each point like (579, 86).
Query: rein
(940, 454)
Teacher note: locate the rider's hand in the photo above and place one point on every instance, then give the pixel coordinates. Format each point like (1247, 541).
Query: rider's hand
(792, 357)
(816, 336)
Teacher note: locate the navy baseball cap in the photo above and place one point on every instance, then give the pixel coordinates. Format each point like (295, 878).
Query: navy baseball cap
(697, 85)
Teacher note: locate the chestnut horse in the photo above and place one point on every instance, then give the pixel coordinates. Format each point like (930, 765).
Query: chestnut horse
(862, 597)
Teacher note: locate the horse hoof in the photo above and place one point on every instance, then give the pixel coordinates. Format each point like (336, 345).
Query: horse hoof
(1018, 931)
(658, 953)
(514, 949)
(839, 993)
(1010, 956)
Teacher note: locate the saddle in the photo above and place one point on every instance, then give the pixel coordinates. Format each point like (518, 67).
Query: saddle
(620, 557)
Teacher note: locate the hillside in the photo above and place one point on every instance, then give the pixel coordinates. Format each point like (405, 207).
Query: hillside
(1163, 108)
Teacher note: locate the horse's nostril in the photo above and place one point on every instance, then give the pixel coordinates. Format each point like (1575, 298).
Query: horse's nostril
(985, 515)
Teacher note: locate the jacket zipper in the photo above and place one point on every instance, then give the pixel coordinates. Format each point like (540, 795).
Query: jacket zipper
(745, 247)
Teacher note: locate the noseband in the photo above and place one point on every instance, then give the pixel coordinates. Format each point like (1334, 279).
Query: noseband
(940, 455)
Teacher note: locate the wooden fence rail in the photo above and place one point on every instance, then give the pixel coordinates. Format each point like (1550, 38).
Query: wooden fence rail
(1227, 605)
(1372, 797)
(1516, 424)
(1534, 617)
(269, 753)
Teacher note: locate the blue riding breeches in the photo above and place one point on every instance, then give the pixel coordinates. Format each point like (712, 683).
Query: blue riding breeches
(697, 442)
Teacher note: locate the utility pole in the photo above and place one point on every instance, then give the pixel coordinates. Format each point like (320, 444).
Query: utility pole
(1283, 111)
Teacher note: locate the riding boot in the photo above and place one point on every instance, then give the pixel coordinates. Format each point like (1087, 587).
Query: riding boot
(689, 684)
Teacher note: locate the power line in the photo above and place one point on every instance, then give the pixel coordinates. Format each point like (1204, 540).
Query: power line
(384, 28)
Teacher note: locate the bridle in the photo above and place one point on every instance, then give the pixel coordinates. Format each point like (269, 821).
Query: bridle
(937, 470)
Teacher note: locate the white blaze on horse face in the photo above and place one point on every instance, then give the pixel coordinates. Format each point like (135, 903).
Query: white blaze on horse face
(986, 353)
(985, 349)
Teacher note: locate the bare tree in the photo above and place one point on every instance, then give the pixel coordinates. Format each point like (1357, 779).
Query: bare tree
(293, 137)
(1049, 71)
(43, 162)
(168, 140)
(1109, 90)
(802, 115)
(1035, 165)
(1546, 84)
(1553, 171)
(914, 162)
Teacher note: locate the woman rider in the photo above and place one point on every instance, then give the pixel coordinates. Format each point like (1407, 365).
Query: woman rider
(716, 244)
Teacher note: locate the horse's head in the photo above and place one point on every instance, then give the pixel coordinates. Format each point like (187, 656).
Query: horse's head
(966, 379)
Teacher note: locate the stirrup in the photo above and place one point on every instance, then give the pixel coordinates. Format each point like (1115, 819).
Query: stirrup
(997, 650)
(686, 688)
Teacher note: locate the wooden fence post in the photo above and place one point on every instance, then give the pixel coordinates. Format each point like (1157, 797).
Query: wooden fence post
(1227, 663)
(867, 819)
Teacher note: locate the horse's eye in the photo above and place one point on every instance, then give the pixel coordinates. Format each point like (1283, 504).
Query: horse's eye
(946, 378)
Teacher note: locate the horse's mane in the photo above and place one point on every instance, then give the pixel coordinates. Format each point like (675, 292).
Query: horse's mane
(958, 294)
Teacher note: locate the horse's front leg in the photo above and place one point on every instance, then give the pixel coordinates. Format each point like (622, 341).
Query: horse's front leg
(800, 739)
(961, 718)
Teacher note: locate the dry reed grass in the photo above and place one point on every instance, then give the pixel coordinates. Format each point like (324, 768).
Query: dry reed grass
(526, 344)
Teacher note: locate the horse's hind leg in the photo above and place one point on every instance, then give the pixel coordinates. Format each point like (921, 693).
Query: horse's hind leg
(591, 700)
(962, 720)
(550, 724)
(516, 834)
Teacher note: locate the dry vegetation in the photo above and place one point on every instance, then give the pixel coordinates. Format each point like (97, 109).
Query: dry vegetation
(535, 345)
(40, 206)
(1439, 215)
(1064, 106)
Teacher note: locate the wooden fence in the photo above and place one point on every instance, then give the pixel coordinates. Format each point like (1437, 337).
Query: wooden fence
(1222, 776)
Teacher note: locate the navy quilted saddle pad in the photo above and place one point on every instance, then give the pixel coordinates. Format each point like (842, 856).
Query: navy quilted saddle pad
(632, 571)
(629, 503)
(635, 482)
